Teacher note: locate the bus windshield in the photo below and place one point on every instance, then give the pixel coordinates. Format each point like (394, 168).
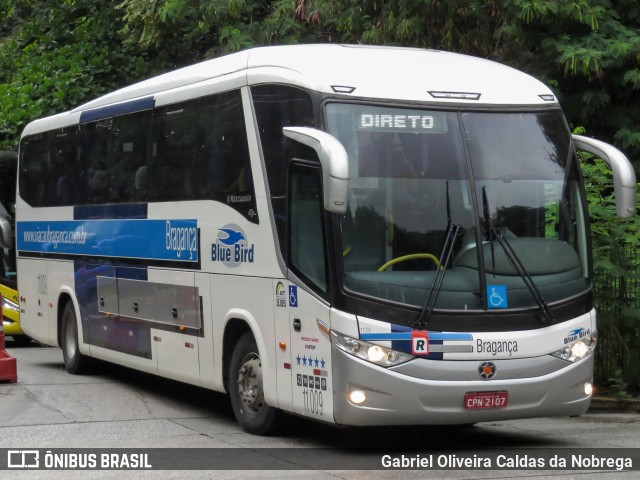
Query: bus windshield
(508, 183)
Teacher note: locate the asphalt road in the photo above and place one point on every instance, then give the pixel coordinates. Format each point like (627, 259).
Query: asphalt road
(119, 408)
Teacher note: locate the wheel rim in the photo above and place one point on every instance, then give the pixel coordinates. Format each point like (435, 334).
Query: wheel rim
(250, 383)
(71, 344)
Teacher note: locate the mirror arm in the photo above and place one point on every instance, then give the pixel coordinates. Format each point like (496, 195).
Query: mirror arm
(624, 177)
(334, 161)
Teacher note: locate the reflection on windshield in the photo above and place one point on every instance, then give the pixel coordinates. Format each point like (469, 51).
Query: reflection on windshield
(403, 162)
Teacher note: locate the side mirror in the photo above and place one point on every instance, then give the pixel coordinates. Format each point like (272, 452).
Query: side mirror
(334, 161)
(6, 236)
(624, 177)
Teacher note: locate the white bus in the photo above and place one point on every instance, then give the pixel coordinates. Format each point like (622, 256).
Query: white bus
(359, 235)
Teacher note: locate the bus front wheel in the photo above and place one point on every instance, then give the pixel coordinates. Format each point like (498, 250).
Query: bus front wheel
(246, 389)
(74, 361)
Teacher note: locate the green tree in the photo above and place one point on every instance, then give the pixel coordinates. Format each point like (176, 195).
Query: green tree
(616, 250)
(587, 50)
(57, 55)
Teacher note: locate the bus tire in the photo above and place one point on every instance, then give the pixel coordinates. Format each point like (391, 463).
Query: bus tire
(74, 361)
(246, 389)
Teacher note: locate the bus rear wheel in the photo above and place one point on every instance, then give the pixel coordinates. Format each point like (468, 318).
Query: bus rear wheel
(246, 389)
(74, 361)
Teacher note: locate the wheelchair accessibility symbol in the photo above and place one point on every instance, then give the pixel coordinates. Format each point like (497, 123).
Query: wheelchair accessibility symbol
(293, 296)
(497, 296)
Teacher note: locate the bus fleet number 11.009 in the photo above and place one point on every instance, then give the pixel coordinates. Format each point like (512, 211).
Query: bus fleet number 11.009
(312, 401)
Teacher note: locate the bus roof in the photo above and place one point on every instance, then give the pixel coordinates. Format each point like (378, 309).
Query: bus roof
(393, 73)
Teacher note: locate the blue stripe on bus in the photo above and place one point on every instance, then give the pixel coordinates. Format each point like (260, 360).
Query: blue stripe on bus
(407, 336)
(109, 111)
(108, 331)
(169, 240)
(110, 211)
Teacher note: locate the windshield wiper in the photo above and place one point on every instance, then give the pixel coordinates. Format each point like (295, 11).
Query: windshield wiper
(453, 230)
(495, 233)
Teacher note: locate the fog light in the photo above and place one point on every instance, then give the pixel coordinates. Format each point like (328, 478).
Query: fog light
(357, 397)
(588, 389)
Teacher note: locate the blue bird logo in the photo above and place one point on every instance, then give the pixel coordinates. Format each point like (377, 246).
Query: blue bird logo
(232, 237)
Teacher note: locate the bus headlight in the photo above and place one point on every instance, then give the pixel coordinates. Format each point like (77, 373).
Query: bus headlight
(385, 357)
(9, 305)
(578, 350)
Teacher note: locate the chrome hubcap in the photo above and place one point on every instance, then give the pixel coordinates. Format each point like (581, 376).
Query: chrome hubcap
(250, 383)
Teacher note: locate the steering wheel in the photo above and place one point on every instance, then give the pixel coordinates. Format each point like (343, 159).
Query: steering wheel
(413, 256)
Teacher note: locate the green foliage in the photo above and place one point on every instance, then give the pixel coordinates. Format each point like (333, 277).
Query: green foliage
(588, 50)
(616, 252)
(57, 55)
(618, 385)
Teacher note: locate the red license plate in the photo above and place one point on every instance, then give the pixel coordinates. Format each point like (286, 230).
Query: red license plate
(485, 400)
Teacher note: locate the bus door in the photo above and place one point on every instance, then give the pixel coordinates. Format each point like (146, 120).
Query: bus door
(308, 312)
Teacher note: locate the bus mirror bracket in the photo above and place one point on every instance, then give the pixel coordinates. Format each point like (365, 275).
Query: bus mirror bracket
(334, 161)
(6, 239)
(624, 177)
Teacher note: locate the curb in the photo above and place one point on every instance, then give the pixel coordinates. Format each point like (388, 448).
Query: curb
(614, 405)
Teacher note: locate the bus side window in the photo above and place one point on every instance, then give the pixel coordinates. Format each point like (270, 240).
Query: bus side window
(95, 146)
(306, 232)
(278, 106)
(228, 169)
(128, 154)
(34, 169)
(172, 168)
(65, 167)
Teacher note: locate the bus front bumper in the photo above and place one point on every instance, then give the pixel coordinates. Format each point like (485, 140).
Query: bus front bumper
(393, 398)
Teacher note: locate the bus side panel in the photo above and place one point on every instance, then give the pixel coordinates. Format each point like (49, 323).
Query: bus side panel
(34, 310)
(106, 326)
(178, 309)
(98, 327)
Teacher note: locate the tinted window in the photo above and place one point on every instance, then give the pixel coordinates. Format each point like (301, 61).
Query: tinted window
(194, 150)
(129, 157)
(278, 106)
(34, 169)
(200, 151)
(307, 252)
(96, 138)
(65, 166)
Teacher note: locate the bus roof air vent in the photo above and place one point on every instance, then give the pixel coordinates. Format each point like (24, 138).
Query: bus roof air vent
(342, 89)
(455, 95)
